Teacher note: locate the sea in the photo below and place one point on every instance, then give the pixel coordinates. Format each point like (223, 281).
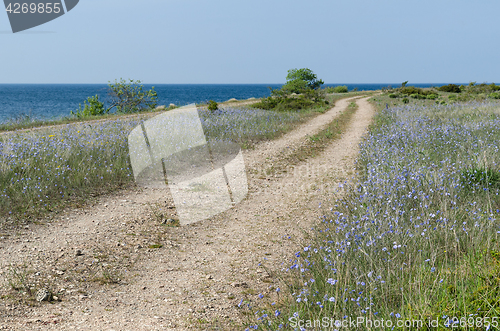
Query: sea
(55, 101)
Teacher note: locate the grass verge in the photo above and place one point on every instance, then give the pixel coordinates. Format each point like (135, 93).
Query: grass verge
(414, 243)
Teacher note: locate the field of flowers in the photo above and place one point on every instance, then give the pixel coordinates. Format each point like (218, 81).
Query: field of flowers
(415, 240)
(50, 169)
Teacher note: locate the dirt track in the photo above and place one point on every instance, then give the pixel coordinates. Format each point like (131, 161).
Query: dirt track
(201, 271)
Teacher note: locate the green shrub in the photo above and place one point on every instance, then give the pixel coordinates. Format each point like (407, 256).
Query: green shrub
(452, 97)
(212, 105)
(266, 103)
(337, 89)
(483, 88)
(93, 108)
(294, 104)
(393, 96)
(281, 100)
(405, 100)
(340, 89)
(417, 96)
(288, 104)
(409, 90)
(432, 96)
(495, 95)
(453, 88)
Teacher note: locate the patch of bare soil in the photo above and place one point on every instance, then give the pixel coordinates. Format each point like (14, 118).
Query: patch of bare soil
(116, 266)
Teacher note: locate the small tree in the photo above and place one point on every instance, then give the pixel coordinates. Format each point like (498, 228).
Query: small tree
(129, 97)
(93, 108)
(299, 80)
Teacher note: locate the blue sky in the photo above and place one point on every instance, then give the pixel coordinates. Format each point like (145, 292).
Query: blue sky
(222, 41)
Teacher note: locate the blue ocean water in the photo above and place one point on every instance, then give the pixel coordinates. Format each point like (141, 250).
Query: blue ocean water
(50, 101)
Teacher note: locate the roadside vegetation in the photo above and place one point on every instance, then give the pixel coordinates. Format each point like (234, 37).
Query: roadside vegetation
(445, 94)
(416, 237)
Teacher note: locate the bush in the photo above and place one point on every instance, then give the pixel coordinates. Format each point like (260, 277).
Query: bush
(417, 96)
(495, 95)
(453, 88)
(409, 90)
(281, 101)
(129, 97)
(268, 103)
(294, 104)
(484, 88)
(93, 108)
(432, 96)
(405, 100)
(212, 105)
(340, 89)
(393, 96)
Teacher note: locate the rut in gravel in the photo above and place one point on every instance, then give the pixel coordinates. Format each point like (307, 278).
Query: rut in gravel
(135, 274)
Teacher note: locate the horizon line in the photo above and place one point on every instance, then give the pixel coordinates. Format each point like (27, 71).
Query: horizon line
(388, 84)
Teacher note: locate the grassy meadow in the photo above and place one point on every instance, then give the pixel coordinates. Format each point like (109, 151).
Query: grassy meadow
(51, 168)
(414, 241)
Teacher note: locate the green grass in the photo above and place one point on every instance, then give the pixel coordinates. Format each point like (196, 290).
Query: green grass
(480, 178)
